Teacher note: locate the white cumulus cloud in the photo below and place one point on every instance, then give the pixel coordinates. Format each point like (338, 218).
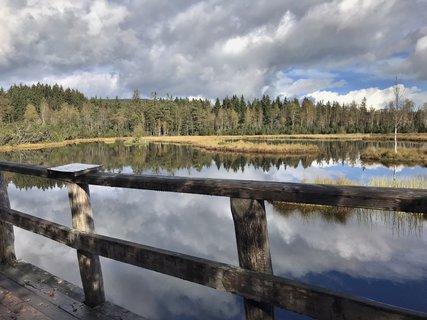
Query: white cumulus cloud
(376, 98)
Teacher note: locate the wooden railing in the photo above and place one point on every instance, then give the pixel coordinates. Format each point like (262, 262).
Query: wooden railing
(253, 279)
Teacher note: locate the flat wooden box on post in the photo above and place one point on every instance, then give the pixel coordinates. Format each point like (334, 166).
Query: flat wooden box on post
(82, 220)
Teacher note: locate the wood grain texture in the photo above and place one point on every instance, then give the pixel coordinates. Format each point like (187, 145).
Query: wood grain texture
(7, 237)
(409, 200)
(253, 248)
(89, 264)
(13, 307)
(261, 287)
(33, 302)
(66, 297)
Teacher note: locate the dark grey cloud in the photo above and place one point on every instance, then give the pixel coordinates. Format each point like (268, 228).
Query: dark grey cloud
(206, 48)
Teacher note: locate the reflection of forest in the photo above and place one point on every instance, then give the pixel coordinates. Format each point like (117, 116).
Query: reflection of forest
(401, 223)
(336, 151)
(153, 157)
(156, 158)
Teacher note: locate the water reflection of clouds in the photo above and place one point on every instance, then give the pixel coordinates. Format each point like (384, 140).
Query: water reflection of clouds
(353, 170)
(202, 226)
(357, 173)
(300, 247)
(196, 225)
(157, 296)
(191, 224)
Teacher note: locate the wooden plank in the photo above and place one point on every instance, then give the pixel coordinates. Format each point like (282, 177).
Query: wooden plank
(409, 200)
(5, 313)
(7, 237)
(89, 264)
(253, 248)
(31, 276)
(52, 302)
(291, 295)
(15, 308)
(73, 169)
(44, 308)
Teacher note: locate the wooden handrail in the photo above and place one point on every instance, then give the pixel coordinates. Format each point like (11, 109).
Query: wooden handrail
(396, 199)
(254, 279)
(289, 294)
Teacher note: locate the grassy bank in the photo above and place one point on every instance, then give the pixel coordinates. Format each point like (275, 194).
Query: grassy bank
(231, 143)
(406, 156)
(410, 137)
(235, 144)
(48, 145)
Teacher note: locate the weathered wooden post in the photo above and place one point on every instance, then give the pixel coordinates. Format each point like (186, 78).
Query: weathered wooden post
(7, 237)
(82, 220)
(250, 224)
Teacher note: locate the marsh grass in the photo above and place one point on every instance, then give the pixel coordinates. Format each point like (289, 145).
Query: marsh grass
(408, 156)
(329, 214)
(414, 137)
(401, 223)
(48, 145)
(237, 144)
(212, 142)
(418, 182)
(341, 181)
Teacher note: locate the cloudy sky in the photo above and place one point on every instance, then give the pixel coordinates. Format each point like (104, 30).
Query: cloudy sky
(330, 50)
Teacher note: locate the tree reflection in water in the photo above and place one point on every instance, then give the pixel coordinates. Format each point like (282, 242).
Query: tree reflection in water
(307, 243)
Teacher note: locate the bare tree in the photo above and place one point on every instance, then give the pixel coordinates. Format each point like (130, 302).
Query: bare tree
(397, 109)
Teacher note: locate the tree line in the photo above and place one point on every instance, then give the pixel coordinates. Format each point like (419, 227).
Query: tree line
(43, 112)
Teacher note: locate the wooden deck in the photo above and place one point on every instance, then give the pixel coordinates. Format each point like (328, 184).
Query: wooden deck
(27, 292)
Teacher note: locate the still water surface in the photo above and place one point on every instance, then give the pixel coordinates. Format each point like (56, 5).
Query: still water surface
(377, 255)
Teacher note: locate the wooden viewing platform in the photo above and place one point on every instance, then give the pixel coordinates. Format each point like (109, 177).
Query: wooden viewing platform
(253, 279)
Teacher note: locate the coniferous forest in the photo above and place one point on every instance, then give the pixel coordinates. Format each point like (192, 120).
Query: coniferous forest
(43, 112)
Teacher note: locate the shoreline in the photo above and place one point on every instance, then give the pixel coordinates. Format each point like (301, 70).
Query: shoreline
(228, 143)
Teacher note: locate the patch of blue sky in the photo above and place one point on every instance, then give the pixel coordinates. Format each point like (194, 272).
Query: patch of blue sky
(355, 78)
(300, 73)
(363, 174)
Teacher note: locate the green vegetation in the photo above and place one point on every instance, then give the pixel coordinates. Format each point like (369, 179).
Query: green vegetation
(44, 113)
(406, 156)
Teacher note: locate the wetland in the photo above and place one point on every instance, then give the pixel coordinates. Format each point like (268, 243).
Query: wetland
(376, 254)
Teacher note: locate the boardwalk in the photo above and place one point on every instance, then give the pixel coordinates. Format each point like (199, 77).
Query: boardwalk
(27, 292)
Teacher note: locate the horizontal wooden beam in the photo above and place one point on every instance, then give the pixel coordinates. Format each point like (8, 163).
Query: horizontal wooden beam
(409, 200)
(291, 295)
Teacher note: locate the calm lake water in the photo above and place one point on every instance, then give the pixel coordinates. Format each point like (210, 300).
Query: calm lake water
(377, 255)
